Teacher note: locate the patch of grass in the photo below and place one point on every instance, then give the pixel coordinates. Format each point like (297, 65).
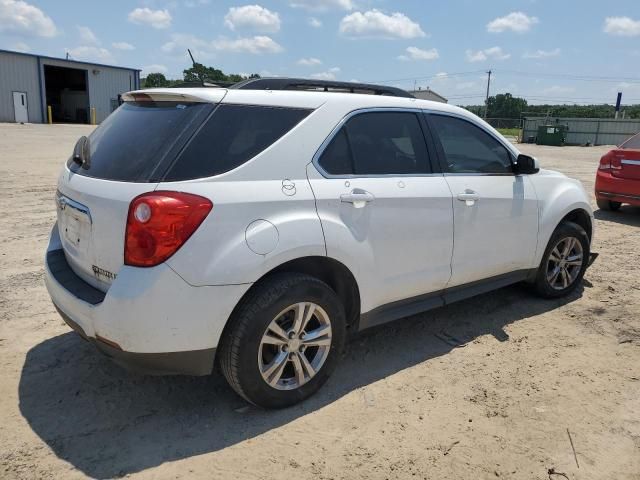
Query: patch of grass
(511, 132)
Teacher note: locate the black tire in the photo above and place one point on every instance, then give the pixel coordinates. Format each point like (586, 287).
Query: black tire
(542, 284)
(240, 343)
(608, 205)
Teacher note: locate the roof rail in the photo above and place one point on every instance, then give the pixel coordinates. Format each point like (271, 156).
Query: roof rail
(318, 85)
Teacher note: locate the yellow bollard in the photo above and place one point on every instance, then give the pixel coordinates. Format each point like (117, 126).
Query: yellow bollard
(49, 115)
(93, 115)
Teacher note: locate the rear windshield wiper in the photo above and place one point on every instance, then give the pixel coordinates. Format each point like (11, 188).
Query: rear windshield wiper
(81, 153)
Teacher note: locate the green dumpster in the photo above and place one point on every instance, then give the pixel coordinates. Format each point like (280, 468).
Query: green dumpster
(554, 135)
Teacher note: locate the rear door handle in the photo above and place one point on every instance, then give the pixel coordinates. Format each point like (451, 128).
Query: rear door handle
(357, 197)
(469, 197)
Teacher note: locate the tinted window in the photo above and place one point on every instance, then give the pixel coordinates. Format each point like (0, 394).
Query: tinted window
(233, 135)
(378, 143)
(632, 144)
(469, 149)
(131, 142)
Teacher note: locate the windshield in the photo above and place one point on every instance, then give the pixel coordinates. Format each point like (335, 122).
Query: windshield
(633, 143)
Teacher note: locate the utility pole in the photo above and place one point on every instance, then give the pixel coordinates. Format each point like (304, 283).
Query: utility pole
(486, 102)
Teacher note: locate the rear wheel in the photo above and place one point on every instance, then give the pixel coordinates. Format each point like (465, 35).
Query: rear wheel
(609, 205)
(283, 341)
(564, 261)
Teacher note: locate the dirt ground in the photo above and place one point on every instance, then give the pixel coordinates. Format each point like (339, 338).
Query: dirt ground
(487, 388)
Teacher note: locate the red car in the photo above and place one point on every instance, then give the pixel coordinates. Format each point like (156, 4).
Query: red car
(618, 177)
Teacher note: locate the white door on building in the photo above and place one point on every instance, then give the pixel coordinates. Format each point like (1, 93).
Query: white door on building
(20, 107)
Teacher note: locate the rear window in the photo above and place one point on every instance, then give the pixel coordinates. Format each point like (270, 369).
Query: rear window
(233, 135)
(633, 143)
(134, 142)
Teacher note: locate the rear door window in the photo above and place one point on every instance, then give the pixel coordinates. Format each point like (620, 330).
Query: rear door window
(132, 142)
(378, 143)
(233, 135)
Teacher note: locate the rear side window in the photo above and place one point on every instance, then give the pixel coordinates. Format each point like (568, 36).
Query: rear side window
(469, 149)
(131, 142)
(378, 143)
(233, 135)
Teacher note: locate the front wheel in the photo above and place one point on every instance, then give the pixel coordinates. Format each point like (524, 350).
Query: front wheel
(283, 341)
(564, 261)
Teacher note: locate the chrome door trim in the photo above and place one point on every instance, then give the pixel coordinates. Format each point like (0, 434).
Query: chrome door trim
(62, 202)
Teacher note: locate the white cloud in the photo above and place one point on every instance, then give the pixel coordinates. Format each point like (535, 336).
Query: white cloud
(328, 75)
(314, 22)
(415, 53)
(196, 3)
(309, 62)
(322, 5)
(256, 45)
(252, 16)
(542, 53)
(493, 53)
(155, 18)
(87, 36)
(374, 23)
(122, 46)
(516, 22)
(154, 68)
(205, 49)
(21, 47)
(622, 26)
(90, 54)
(17, 16)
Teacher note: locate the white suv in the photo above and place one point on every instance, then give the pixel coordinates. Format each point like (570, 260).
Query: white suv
(256, 227)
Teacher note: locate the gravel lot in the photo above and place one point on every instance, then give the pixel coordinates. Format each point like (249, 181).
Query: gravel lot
(485, 388)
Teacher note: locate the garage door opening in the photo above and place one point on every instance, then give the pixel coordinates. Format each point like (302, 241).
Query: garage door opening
(67, 94)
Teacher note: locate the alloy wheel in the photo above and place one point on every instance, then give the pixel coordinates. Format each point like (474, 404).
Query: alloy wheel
(295, 346)
(565, 262)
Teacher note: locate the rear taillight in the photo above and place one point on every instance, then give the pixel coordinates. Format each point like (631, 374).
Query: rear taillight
(159, 223)
(605, 162)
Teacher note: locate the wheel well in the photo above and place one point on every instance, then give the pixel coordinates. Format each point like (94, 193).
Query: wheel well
(333, 273)
(582, 218)
(330, 271)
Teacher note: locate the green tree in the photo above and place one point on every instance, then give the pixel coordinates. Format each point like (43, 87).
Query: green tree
(505, 105)
(200, 73)
(154, 80)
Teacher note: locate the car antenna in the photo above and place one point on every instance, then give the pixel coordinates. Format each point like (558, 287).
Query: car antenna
(193, 62)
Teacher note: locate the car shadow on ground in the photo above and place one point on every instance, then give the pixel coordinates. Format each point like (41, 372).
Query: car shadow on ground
(108, 423)
(627, 215)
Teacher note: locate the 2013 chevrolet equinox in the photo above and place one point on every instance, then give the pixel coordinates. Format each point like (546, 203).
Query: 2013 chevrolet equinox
(259, 226)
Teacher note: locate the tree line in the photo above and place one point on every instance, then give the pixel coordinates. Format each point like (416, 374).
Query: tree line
(505, 105)
(198, 73)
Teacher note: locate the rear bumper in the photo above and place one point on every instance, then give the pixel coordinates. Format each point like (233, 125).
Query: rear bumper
(150, 319)
(623, 190)
(197, 362)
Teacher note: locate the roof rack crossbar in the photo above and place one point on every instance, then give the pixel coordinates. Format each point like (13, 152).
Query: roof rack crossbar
(324, 85)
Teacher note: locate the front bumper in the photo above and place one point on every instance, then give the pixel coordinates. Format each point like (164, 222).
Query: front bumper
(150, 319)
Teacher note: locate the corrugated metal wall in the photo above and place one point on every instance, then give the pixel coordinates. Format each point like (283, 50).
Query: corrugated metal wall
(104, 84)
(19, 73)
(597, 131)
(25, 73)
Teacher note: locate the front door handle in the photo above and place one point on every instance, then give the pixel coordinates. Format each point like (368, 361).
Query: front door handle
(469, 197)
(357, 197)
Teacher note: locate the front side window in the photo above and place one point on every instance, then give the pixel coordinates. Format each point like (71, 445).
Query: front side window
(378, 143)
(469, 149)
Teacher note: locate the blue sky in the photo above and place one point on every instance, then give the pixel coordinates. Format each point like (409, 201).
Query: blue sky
(547, 51)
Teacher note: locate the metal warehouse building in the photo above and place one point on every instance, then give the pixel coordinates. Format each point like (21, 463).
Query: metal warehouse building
(75, 91)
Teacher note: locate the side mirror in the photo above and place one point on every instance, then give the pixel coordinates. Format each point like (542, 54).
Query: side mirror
(526, 165)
